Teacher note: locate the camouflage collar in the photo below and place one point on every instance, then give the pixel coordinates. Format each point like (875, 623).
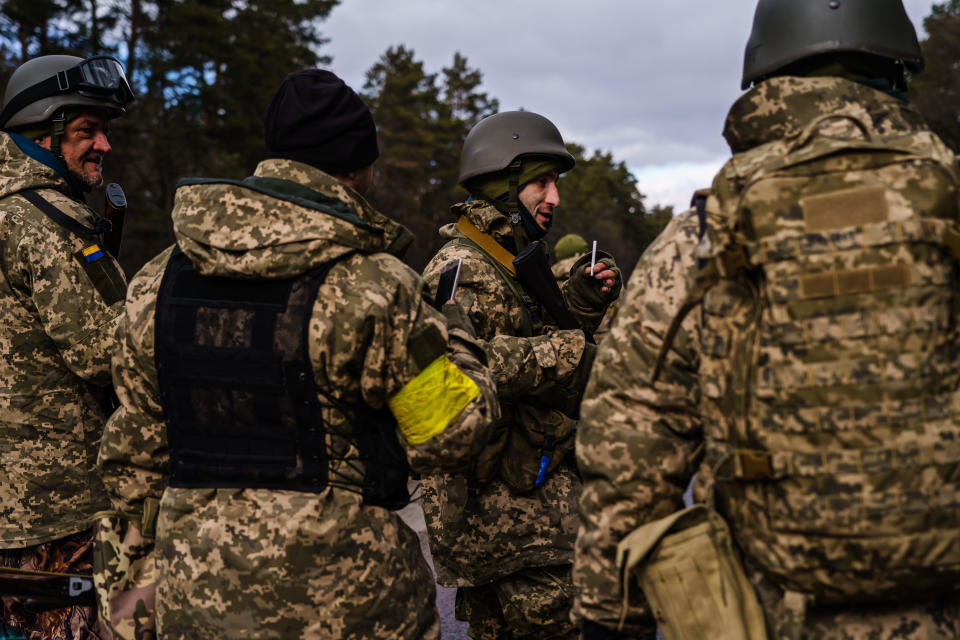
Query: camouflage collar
(487, 219)
(398, 238)
(781, 107)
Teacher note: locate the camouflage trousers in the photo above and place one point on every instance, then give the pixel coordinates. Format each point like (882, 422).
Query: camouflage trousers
(533, 604)
(72, 554)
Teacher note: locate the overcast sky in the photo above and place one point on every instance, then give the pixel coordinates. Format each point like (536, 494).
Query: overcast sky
(649, 80)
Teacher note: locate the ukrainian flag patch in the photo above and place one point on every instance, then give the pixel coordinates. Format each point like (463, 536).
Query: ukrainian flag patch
(92, 253)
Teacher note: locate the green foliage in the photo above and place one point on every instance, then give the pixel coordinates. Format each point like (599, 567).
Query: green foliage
(936, 91)
(204, 70)
(600, 201)
(423, 120)
(422, 124)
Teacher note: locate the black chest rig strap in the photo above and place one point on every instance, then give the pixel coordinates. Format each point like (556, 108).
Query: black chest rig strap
(237, 386)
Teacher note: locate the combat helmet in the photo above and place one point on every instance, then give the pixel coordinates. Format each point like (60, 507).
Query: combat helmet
(785, 31)
(569, 245)
(40, 89)
(495, 142)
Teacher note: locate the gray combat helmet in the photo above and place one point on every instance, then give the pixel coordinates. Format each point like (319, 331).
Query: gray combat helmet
(785, 31)
(497, 140)
(80, 86)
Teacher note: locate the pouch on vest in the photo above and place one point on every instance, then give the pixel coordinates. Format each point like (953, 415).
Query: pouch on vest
(691, 577)
(538, 441)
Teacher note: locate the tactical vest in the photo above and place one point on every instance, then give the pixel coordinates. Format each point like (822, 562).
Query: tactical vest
(830, 361)
(237, 389)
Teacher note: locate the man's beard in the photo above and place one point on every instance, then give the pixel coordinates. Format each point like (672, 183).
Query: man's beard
(84, 183)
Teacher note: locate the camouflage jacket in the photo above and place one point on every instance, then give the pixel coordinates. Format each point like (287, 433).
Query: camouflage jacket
(60, 312)
(639, 445)
(244, 563)
(481, 527)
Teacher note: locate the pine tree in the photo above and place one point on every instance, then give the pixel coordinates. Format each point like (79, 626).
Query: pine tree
(936, 91)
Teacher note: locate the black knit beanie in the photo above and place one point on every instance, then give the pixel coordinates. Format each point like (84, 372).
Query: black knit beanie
(315, 118)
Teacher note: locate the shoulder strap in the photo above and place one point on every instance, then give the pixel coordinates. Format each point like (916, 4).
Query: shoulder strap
(489, 246)
(102, 225)
(532, 318)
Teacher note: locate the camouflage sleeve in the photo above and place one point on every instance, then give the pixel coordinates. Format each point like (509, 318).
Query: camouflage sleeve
(132, 463)
(78, 301)
(523, 366)
(583, 294)
(133, 451)
(434, 381)
(637, 444)
(519, 364)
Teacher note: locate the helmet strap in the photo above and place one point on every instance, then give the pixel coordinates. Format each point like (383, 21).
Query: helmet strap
(515, 223)
(59, 127)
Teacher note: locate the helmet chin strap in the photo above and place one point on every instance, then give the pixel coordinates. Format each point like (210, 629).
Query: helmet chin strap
(515, 223)
(59, 127)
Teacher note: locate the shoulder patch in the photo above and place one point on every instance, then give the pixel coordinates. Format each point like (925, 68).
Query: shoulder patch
(104, 274)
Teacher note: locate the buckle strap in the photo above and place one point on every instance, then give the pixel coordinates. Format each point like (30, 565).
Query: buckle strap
(488, 244)
(102, 225)
(754, 465)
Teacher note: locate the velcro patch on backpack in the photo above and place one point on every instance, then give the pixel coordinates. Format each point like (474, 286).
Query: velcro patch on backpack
(848, 208)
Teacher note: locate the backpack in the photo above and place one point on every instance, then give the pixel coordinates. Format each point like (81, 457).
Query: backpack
(828, 288)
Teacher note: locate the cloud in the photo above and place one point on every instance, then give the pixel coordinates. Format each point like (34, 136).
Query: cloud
(649, 80)
(674, 184)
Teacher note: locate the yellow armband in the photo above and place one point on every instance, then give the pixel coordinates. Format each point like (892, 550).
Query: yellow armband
(426, 405)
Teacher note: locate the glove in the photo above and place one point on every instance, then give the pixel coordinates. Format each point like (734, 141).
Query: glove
(586, 290)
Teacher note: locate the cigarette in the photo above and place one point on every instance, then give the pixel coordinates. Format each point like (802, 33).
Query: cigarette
(593, 257)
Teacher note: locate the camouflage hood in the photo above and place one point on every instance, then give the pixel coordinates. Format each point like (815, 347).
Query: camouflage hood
(19, 171)
(284, 220)
(780, 108)
(484, 217)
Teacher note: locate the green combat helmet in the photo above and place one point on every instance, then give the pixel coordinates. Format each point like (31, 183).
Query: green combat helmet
(41, 89)
(785, 31)
(569, 245)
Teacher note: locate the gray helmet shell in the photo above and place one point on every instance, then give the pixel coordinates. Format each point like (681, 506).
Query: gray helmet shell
(497, 140)
(37, 70)
(785, 31)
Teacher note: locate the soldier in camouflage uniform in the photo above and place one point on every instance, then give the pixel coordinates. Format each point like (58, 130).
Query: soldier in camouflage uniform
(61, 298)
(834, 461)
(277, 369)
(502, 527)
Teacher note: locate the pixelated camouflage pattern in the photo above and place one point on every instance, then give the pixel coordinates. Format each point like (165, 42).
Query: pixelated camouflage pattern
(480, 528)
(57, 337)
(639, 444)
(255, 563)
(533, 604)
(125, 576)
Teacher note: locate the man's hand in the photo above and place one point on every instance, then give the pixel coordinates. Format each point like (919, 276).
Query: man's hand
(597, 288)
(600, 272)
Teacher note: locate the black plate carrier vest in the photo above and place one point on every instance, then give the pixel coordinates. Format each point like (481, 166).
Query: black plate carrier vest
(238, 392)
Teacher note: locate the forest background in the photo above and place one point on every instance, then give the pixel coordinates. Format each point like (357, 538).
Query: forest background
(204, 70)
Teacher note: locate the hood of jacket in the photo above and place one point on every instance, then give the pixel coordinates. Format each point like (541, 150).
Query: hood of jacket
(780, 108)
(26, 165)
(284, 220)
